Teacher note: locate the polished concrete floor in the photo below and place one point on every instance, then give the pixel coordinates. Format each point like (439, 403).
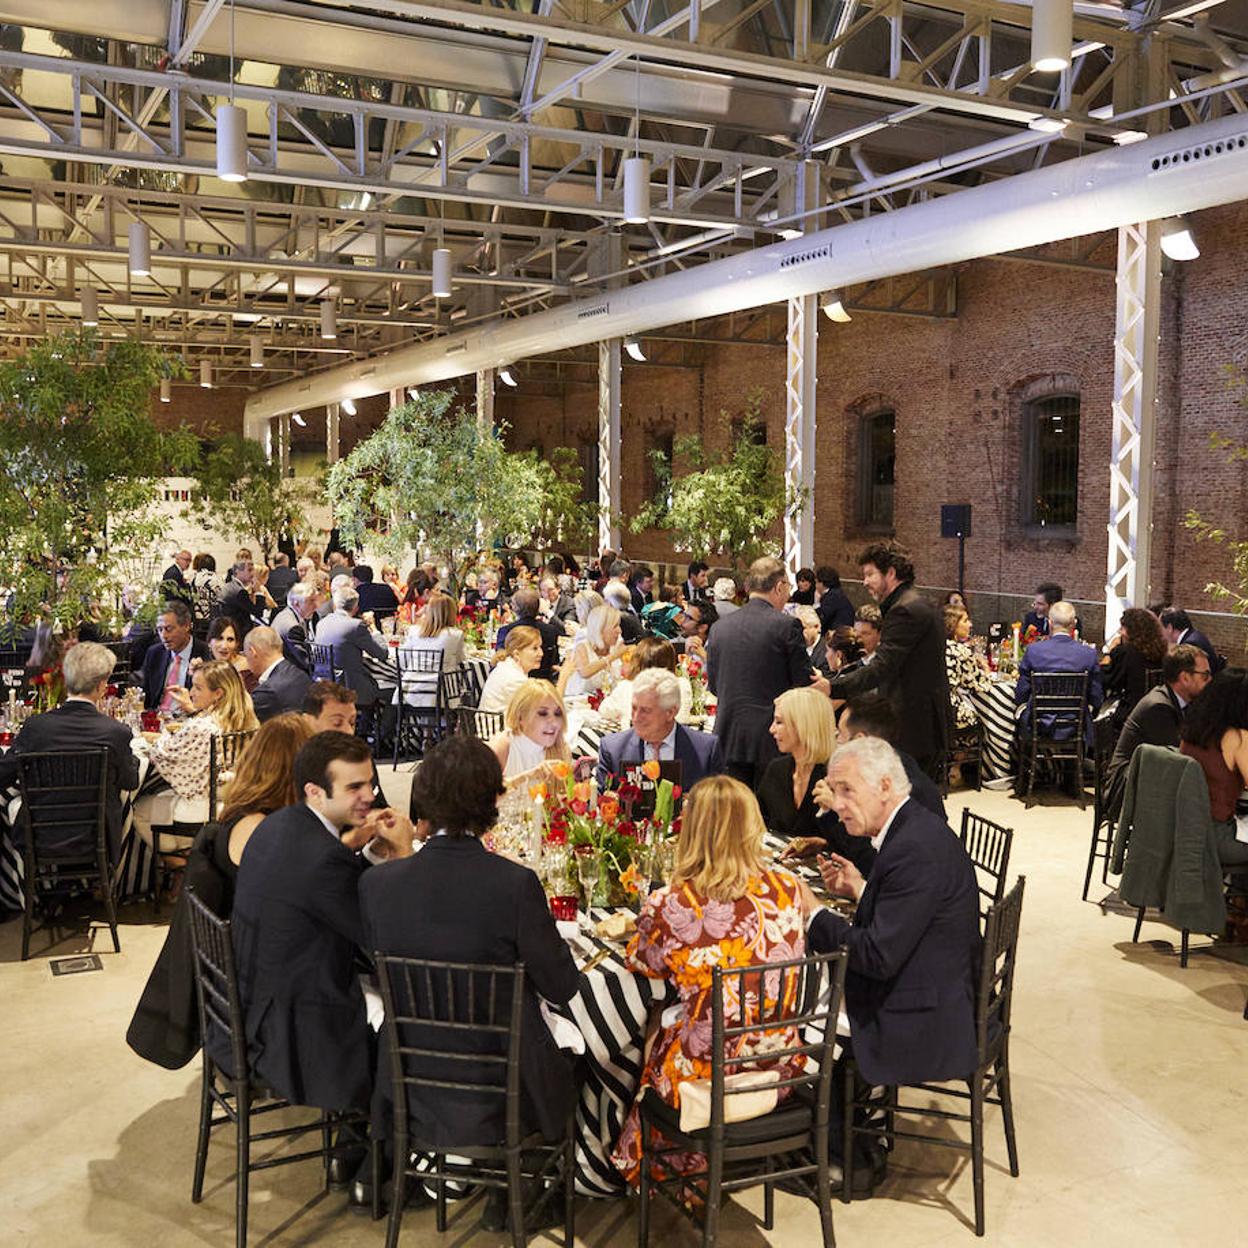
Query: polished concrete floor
(1128, 1077)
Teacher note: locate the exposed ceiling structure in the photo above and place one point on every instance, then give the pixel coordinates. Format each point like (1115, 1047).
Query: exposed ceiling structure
(380, 132)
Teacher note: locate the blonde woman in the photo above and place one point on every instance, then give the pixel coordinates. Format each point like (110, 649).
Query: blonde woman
(434, 630)
(803, 727)
(521, 655)
(649, 652)
(724, 907)
(535, 734)
(593, 657)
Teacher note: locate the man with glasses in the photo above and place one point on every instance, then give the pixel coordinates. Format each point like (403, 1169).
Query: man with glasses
(694, 620)
(169, 664)
(1157, 716)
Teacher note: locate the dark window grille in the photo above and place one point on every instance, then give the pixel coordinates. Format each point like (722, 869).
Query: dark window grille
(877, 462)
(1051, 463)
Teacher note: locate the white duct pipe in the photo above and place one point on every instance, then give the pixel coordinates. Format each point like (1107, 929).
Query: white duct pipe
(1199, 167)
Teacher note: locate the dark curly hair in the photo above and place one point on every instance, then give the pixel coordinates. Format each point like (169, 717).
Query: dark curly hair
(457, 787)
(1223, 705)
(885, 555)
(1144, 634)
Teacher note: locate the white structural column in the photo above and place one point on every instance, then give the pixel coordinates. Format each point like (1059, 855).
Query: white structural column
(398, 396)
(799, 396)
(485, 398)
(333, 411)
(609, 500)
(1135, 417)
(283, 444)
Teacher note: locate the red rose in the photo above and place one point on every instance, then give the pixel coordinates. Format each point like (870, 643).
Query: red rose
(579, 807)
(628, 793)
(676, 792)
(627, 828)
(557, 834)
(676, 826)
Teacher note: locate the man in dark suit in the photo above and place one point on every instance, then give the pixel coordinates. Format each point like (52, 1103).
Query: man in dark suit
(282, 684)
(79, 725)
(696, 587)
(655, 734)
(914, 941)
(753, 656)
(375, 596)
(526, 604)
(297, 930)
(641, 586)
(280, 579)
(173, 582)
(1177, 626)
(1157, 717)
(557, 607)
(170, 663)
(351, 641)
(237, 600)
(616, 594)
(834, 607)
(1059, 652)
(909, 664)
(1038, 617)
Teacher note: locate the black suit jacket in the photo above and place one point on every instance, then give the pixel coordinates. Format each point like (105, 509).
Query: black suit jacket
(282, 690)
(835, 610)
(1155, 720)
(775, 798)
(240, 607)
(909, 668)
(752, 656)
(156, 669)
(379, 598)
(79, 726)
(914, 949)
(631, 627)
(454, 901)
(1194, 637)
(551, 633)
(279, 584)
(297, 931)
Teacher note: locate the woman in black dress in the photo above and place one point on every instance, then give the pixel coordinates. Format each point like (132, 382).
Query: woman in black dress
(804, 730)
(1139, 647)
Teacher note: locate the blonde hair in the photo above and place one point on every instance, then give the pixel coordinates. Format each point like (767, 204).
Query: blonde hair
(234, 712)
(809, 714)
(439, 615)
(721, 839)
(526, 699)
(808, 615)
(600, 619)
(518, 637)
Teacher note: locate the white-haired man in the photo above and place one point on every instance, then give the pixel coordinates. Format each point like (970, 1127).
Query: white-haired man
(351, 641)
(296, 620)
(656, 735)
(281, 684)
(616, 594)
(1060, 651)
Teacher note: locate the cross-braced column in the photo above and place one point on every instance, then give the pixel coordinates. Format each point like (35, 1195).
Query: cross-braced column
(1135, 415)
(609, 443)
(332, 414)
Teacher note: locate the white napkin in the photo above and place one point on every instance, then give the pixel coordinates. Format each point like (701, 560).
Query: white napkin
(374, 1007)
(566, 1033)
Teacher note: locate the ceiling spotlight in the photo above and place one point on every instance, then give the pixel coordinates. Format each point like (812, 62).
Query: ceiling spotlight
(442, 273)
(205, 374)
(299, 420)
(1177, 240)
(90, 307)
(257, 350)
(637, 190)
(348, 406)
(140, 249)
(1052, 32)
(504, 375)
(834, 308)
(166, 390)
(329, 319)
(633, 347)
(231, 143)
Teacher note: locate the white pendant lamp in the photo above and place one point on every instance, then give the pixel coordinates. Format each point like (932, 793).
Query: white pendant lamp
(505, 376)
(90, 307)
(140, 249)
(166, 390)
(634, 348)
(637, 190)
(231, 143)
(442, 273)
(297, 417)
(257, 351)
(348, 406)
(205, 374)
(834, 307)
(329, 319)
(1052, 32)
(1177, 240)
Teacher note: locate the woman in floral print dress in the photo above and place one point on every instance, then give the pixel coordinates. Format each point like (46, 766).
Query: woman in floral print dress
(727, 907)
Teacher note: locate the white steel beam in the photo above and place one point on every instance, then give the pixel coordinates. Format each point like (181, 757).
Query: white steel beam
(609, 500)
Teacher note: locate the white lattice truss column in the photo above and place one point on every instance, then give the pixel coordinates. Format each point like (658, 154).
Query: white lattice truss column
(609, 444)
(1135, 416)
(799, 432)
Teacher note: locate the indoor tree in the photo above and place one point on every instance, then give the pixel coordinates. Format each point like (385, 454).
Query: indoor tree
(567, 519)
(81, 463)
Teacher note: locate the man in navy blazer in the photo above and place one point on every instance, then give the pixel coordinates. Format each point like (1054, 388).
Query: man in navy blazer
(655, 734)
(1059, 652)
(282, 684)
(298, 936)
(170, 663)
(1177, 626)
(914, 942)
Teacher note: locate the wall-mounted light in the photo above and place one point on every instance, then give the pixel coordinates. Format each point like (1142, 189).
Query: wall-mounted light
(1177, 240)
(348, 406)
(299, 420)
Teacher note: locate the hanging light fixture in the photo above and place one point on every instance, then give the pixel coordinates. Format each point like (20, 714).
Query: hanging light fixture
(1177, 240)
(140, 249)
(90, 307)
(442, 273)
(637, 171)
(834, 307)
(257, 350)
(299, 420)
(166, 390)
(205, 374)
(505, 376)
(231, 129)
(1052, 32)
(633, 347)
(348, 406)
(329, 319)
(412, 392)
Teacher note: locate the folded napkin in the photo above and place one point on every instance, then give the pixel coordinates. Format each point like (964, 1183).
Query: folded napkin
(566, 1033)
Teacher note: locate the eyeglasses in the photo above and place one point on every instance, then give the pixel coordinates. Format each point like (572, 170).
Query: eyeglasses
(1202, 671)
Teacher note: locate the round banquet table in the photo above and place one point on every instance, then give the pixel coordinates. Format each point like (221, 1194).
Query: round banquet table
(996, 711)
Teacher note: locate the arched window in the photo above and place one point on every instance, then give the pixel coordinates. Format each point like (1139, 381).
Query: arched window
(877, 459)
(1050, 462)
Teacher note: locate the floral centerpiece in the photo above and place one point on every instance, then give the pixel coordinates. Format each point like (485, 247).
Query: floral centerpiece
(48, 688)
(1010, 650)
(692, 667)
(472, 621)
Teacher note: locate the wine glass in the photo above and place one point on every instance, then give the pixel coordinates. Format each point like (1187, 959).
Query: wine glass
(587, 873)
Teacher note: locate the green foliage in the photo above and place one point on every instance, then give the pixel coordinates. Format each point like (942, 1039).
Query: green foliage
(427, 478)
(242, 494)
(81, 461)
(566, 519)
(727, 503)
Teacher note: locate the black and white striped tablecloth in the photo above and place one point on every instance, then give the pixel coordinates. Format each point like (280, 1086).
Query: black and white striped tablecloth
(996, 713)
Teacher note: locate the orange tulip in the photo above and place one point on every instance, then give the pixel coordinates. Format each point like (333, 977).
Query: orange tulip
(537, 791)
(580, 792)
(650, 769)
(561, 770)
(608, 808)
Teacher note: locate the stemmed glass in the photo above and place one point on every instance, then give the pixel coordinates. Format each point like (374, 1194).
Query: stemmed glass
(587, 873)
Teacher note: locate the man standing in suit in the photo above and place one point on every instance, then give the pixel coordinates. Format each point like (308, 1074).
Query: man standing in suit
(655, 734)
(1157, 717)
(375, 596)
(281, 579)
(282, 684)
(696, 587)
(753, 656)
(909, 665)
(236, 599)
(351, 641)
(835, 609)
(175, 573)
(1177, 626)
(526, 604)
(1059, 652)
(77, 724)
(297, 928)
(169, 664)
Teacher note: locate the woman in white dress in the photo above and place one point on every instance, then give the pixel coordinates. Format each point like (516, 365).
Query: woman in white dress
(435, 630)
(535, 734)
(592, 658)
(522, 654)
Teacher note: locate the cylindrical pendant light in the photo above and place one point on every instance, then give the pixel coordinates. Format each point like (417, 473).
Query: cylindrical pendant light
(90, 307)
(442, 273)
(231, 143)
(329, 319)
(140, 249)
(205, 374)
(1052, 32)
(637, 190)
(257, 351)
(166, 390)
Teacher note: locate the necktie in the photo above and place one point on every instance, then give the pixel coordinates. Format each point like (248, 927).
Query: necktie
(174, 678)
(652, 751)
